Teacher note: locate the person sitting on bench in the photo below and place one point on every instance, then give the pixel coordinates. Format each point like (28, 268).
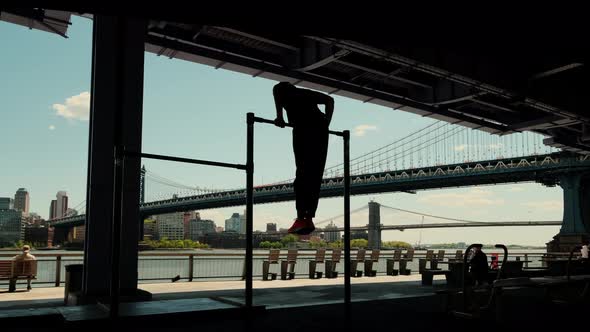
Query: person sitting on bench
(25, 256)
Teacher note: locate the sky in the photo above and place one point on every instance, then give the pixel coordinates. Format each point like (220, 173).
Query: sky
(196, 111)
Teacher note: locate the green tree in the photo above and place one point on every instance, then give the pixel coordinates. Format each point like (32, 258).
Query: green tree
(359, 243)
(317, 243)
(336, 244)
(265, 244)
(396, 244)
(290, 238)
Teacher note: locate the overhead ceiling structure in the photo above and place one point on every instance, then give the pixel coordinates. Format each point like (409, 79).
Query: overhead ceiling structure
(494, 89)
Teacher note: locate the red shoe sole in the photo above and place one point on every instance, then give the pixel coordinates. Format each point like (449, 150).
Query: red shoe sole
(305, 231)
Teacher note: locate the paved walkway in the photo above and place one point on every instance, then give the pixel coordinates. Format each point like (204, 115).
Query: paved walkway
(276, 293)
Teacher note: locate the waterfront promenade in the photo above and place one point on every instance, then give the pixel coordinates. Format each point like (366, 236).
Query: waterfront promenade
(273, 294)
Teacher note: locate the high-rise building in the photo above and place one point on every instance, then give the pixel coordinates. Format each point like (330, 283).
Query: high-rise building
(6, 203)
(331, 233)
(186, 218)
(171, 226)
(21, 201)
(62, 204)
(200, 227)
(271, 227)
(235, 224)
(11, 226)
(52, 209)
(59, 206)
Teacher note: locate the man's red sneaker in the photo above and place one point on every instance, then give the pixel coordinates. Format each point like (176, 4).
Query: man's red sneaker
(302, 226)
(308, 228)
(297, 226)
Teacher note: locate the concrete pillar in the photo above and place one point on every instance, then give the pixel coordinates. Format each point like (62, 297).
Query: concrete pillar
(575, 229)
(374, 225)
(576, 203)
(115, 120)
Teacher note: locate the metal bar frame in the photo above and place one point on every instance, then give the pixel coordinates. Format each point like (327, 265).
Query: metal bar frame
(251, 120)
(121, 154)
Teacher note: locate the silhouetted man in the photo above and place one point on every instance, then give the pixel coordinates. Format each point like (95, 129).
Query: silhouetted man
(310, 145)
(479, 265)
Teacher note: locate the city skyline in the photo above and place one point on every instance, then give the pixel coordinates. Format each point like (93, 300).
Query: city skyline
(177, 94)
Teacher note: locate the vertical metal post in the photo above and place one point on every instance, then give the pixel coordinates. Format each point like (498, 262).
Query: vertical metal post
(190, 267)
(116, 230)
(57, 270)
(249, 206)
(347, 287)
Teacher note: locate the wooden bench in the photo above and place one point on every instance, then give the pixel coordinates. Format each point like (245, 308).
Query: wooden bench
(360, 258)
(428, 259)
(439, 258)
(320, 256)
(403, 263)
(273, 258)
(18, 270)
(390, 267)
(458, 256)
(331, 263)
(288, 265)
(369, 272)
(428, 275)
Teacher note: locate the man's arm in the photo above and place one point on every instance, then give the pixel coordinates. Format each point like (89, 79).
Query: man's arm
(279, 121)
(323, 99)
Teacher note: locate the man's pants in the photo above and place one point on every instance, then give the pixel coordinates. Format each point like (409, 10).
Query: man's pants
(310, 144)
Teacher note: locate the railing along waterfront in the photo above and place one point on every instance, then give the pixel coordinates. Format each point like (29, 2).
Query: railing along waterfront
(209, 266)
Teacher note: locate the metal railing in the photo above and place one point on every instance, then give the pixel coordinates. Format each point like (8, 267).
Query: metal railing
(210, 266)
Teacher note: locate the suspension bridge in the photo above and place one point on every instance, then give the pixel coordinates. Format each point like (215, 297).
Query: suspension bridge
(440, 155)
(374, 221)
(375, 225)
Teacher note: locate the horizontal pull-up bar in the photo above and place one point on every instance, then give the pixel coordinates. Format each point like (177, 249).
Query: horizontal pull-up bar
(184, 160)
(262, 120)
(251, 119)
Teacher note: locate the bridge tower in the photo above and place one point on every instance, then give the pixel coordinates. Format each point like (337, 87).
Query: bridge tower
(374, 225)
(142, 185)
(576, 212)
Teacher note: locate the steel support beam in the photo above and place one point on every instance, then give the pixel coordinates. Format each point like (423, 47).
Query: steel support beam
(192, 48)
(115, 120)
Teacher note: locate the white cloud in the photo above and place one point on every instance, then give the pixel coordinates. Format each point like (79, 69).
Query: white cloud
(361, 130)
(549, 205)
(75, 107)
(474, 197)
(51, 127)
(516, 189)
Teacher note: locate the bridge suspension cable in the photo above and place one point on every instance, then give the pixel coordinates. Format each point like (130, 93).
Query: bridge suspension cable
(434, 216)
(364, 207)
